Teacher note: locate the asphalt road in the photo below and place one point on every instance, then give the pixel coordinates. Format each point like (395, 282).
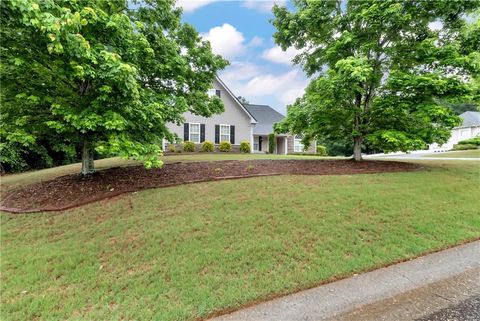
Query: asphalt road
(468, 310)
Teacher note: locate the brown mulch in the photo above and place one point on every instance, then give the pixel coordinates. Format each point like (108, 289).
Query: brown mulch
(73, 190)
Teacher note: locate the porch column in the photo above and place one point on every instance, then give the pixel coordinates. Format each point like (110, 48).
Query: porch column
(251, 138)
(285, 144)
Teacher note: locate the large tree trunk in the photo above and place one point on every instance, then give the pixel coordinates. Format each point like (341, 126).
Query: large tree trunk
(357, 148)
(87, 159)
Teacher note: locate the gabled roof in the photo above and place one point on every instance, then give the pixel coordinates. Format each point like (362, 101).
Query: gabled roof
(252, 119)
(470, 119)
(266, 116)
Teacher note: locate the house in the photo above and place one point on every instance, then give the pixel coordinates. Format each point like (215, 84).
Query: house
(266, 117)
(238, 122)
(235, 124)
(469, 128)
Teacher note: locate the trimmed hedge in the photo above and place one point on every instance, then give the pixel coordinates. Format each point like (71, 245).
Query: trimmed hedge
(188, 146)
(465, 146)
(245, 147)
(322, 150)
(472, 141)
(225, 146)
(207, 146)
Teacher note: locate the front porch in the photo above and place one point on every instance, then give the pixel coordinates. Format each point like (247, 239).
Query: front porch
(261, 144)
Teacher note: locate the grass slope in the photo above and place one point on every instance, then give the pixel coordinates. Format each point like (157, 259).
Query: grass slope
(188, 251)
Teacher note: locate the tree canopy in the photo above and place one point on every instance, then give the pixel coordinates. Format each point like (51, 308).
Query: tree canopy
(102, 75)
(379, 69)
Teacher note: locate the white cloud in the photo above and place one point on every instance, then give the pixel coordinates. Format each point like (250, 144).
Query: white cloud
(226, 40)
(277, 55)
(238, 71)
(262, 5)
(192, 5)
(249, 81)
(255, 42)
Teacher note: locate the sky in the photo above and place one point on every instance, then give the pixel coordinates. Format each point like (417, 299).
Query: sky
(241, 32)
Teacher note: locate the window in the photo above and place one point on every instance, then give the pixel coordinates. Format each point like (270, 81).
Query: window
(194, 131)
(297, 144)
(224, 133)
(213, 92)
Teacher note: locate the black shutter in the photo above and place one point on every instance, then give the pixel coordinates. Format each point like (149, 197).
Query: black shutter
(232, 135)
(217, 134)
(260, 140)
(202, 133)
(217, 92)
(186, 128)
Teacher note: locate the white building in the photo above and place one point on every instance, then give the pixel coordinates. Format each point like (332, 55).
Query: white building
(470, 128)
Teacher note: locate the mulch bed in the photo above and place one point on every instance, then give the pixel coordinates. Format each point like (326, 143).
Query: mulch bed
(73, 190)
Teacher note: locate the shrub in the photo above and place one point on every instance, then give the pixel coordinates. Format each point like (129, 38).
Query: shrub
(322, 150)
(171, 148)
(207, 146)
(188, 146)
(472, 141)
(465, 146)
(271, 143)
(245, 147)
(225, 146)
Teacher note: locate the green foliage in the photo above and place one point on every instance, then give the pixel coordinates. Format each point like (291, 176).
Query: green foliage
(472, 141)
(171, 148)
(465, 146)
(100, 72)
(271, 143)
(245, 146)
(207, 146)
(225, 146)
(188, 146)
(322, 150)
(379, 72)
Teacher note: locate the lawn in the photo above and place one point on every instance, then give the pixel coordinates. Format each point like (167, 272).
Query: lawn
(188, 251)
(461, 154)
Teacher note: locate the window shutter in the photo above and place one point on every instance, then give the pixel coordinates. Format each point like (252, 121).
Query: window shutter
(202, 133)
(232, 135)
(217, 92)
(186, 128)
(217, 134)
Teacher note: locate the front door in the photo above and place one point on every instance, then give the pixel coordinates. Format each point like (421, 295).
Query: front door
(260, 140)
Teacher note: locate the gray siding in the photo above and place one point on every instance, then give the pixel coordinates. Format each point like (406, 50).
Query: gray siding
(233, 115)
(290, 149)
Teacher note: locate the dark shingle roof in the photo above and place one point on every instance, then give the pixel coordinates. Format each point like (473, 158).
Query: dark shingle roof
(470, 118)
(266, 116)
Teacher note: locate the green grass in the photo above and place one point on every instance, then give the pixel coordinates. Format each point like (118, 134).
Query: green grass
(185, 252)
(461, 154)
(30, 177)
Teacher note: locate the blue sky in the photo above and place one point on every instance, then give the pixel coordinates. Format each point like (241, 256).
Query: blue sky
(241, 32)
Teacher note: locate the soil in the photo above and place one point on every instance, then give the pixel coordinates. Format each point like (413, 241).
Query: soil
(74, 190)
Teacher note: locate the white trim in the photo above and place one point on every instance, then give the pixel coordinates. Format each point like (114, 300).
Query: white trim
(298, 141)
(252, 150)
(252, 119)
(220, 132)
(190, 132)
(285, 141)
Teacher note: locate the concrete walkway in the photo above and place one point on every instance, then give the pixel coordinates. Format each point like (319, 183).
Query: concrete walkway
(405, 291)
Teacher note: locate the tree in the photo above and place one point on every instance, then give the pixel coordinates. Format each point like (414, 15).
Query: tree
(100, 75)
(378, 69)
(243, 100)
